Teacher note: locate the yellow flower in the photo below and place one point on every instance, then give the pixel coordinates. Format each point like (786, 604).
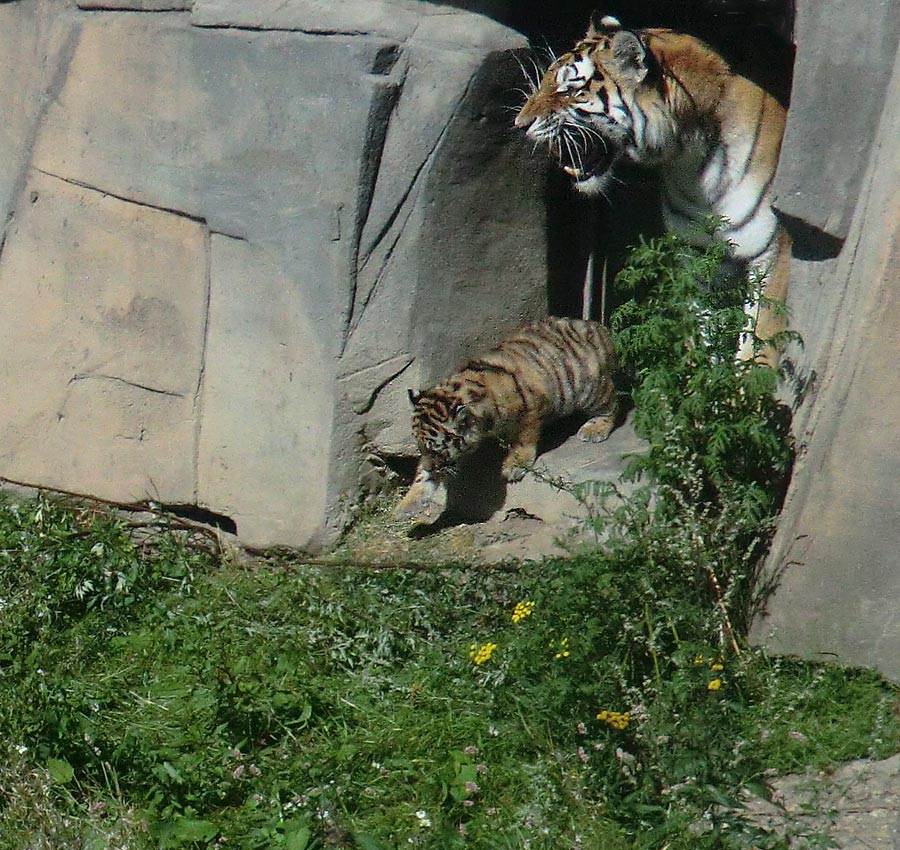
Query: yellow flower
(523, 610)
(616, 719)
(716, 667)
(483, 654)
(698, 659)
(714, 685)
(563, 649)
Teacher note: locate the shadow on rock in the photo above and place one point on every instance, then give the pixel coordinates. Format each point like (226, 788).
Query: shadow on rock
(474, 494)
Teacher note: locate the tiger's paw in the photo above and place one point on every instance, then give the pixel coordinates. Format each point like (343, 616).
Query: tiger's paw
(515, 473)
(424, 502)
(596, 430)
(518, 462)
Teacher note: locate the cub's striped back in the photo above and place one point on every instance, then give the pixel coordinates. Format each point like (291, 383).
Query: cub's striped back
(545, 370)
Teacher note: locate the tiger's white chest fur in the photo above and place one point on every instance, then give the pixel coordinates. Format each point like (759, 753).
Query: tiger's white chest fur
(713, 177)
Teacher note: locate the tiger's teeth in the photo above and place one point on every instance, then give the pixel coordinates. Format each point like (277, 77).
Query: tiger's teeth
(572, 172)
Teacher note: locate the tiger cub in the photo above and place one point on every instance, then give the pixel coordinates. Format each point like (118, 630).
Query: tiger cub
(545, 370)
(665, 99)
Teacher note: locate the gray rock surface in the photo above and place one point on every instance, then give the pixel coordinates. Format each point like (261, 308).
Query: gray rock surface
(836, 552)
(846, 51)
(137, 5)
(540, 514)
(102, 343)
(264, 435)
(855, 808)
(226, 268)
(35, 41)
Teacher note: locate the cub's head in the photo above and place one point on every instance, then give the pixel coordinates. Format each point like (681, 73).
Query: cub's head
(585, 107)
(445, 427)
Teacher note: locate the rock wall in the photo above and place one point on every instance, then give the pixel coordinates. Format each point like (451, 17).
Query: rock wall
(836, 557)
(235, 233)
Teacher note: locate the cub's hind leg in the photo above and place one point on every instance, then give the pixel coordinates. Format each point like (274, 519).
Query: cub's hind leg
(603, 416)
(598, 428)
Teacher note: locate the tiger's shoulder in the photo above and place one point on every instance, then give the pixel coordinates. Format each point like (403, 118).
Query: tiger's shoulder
(684, 61)
(545, 367)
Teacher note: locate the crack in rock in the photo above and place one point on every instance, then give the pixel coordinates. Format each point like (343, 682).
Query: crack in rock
(133, 384)
(364, 400)
(126, 200)
(386, 95)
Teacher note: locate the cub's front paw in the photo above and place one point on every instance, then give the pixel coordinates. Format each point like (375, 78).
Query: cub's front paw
(424, 501)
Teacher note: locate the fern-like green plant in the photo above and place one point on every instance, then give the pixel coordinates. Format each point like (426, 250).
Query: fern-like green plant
(719, 449)
(677, 340)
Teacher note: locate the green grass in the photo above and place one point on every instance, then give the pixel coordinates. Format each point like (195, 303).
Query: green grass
(294, 706)
(152, 695)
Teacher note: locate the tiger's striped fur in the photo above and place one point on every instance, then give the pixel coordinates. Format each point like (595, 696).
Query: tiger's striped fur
(545, 370)
(665, 99)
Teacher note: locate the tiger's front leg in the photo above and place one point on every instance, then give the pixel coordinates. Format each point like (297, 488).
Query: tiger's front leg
(770, 321)
(522, 451)
(425, 499)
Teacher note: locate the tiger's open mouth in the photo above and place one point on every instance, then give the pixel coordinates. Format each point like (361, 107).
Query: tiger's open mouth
(583, 165)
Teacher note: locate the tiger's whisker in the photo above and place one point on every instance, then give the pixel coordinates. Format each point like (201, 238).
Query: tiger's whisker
(538, 73)
(584, 136)
(572, 156)
(531, 82)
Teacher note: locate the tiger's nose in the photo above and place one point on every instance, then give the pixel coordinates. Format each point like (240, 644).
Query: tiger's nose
(538, 106)
(529, 111)
(523, 120)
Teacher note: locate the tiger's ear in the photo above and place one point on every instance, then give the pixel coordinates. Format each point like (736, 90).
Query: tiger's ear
(629, 56)
(413, 396)
(600, 25)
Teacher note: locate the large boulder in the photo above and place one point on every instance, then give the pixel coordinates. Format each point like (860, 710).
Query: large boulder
(236, 236)
(835, 563)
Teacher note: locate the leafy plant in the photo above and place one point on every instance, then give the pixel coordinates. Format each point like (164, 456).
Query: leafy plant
(678, 341)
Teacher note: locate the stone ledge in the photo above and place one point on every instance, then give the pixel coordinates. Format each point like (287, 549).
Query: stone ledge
(398, 20)
(135, 5)
(350, 17)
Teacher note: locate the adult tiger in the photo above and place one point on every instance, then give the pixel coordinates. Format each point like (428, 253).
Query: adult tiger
(665, 99)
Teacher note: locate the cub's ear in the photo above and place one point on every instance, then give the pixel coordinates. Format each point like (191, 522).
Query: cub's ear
(629, 56)
(600, 25)
(413, 396)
